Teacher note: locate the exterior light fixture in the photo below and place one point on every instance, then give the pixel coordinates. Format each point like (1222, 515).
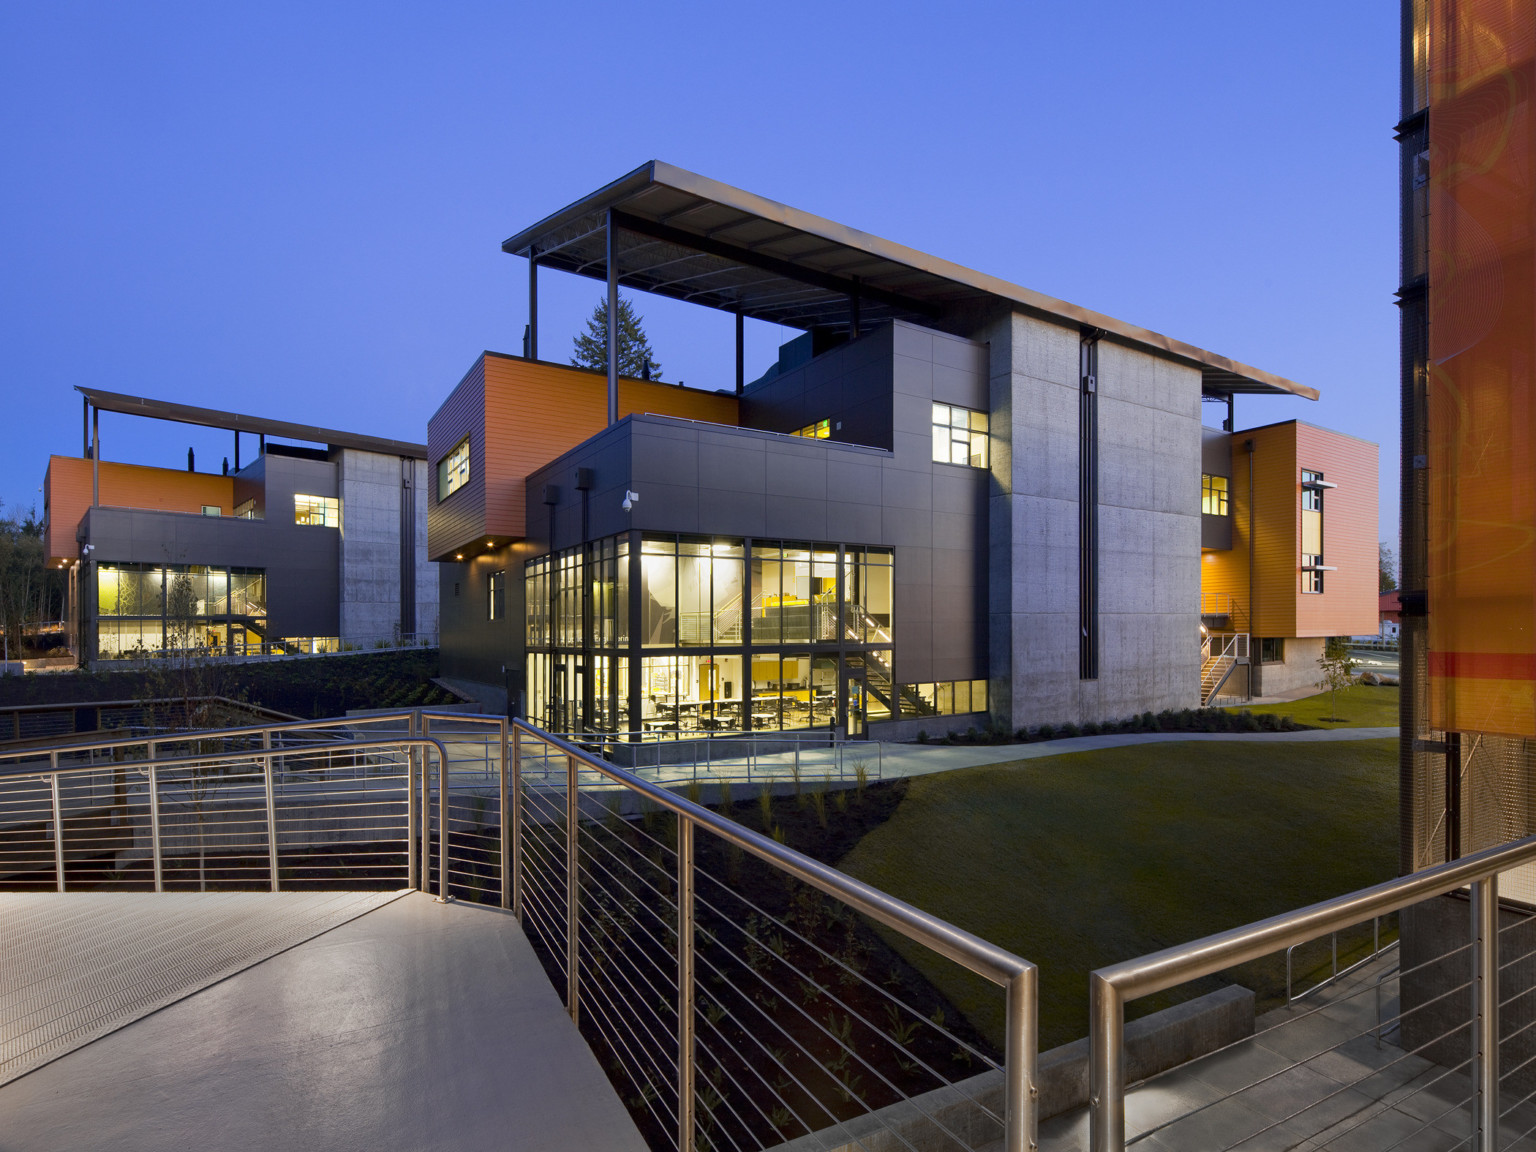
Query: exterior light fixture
(460, 556)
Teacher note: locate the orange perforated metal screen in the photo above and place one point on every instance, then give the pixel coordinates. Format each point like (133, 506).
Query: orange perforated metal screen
(1482, 367)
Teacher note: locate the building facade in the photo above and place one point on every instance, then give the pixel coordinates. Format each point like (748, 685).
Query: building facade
(303, 549)
(950, 503)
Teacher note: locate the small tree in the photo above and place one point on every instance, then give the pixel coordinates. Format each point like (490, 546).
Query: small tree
(637, 359)
(1388, 578)
(1338, 668)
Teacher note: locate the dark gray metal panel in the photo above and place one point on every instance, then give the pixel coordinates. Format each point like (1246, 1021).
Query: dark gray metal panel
(1215, 452)
(1216, 532)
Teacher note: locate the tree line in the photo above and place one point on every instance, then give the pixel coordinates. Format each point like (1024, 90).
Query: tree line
(31, 593)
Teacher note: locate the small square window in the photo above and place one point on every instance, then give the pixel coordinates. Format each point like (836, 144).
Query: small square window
(959, 436)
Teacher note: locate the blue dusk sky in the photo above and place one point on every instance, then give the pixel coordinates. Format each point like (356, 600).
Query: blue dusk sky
(296, 210)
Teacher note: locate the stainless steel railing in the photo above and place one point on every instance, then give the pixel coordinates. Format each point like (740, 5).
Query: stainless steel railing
(228, 818)
(740, 1013)
(1447, 1039)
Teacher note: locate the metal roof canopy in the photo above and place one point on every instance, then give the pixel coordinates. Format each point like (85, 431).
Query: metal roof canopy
(691, 238)
(235, 422)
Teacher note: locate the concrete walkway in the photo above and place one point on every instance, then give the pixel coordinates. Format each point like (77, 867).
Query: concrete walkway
(415, 1028)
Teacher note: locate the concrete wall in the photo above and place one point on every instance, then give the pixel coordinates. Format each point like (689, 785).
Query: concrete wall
(1149, 528)
(374, 497)
(1298, 670)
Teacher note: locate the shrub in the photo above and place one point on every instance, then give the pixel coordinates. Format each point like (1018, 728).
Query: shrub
(1069, 729)
(1186, 719)
(1045, 732)
(1287, 723)
(1022, 735)
(1148, 722)
(1249, 722)
(1090, 729)
(922, 736)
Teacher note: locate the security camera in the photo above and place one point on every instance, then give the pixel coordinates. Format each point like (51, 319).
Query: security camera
(86, 551)
(630, 500)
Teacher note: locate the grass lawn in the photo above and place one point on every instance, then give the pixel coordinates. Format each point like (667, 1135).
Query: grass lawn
(1361, 706)
(1085, 859)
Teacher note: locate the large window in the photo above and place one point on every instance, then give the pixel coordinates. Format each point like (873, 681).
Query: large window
(959, 435)
(1213, 495)
(321, 510)
(453, 470)
(1312, 568)
(147, 610)
(820, 430)
(730, 635)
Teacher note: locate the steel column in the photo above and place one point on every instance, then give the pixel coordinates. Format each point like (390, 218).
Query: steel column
(611, 254)
(95, 457)
(572, 892)
(741, 353)
(1106, 1066)
(1485, 1014)
(533, 304)
(685, 997)
(412, 820)
(506, 833)
(1021, 1059)
(266, 771)
(58, 823)
(154, 820)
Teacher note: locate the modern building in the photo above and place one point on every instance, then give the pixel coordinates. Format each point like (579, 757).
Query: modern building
(951, 502)
(309, 547)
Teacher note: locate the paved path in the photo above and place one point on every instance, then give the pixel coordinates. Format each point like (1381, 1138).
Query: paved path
(415, 1028)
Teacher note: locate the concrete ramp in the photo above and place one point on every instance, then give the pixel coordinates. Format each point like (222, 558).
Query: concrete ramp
(416, 1026)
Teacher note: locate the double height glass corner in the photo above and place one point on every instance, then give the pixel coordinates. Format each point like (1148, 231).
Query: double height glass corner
(959, 436)
(728, 635)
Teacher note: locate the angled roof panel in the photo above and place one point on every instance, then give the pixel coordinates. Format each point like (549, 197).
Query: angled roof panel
(692, 238)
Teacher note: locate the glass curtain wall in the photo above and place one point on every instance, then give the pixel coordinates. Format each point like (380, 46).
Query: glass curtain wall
(732, 635)
(148, 610)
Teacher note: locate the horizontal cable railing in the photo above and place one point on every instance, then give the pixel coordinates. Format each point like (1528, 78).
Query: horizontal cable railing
(1414, 1040)
(263, 817)
(739, 993)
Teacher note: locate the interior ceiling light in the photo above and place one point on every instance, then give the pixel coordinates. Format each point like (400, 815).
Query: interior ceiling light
(460, 556)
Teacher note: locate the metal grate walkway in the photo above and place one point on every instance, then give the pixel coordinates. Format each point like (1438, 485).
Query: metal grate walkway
(77, 966)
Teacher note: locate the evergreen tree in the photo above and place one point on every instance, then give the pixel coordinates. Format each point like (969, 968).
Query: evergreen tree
(591, 350)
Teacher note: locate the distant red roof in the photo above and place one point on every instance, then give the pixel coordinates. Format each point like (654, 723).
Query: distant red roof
(1391, 606)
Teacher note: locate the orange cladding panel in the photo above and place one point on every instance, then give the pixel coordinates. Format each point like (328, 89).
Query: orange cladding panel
(67, 495)
(535, 412)
(1481, 386)
(1348, 603)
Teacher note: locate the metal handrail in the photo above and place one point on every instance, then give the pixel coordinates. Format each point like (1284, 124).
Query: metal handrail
(1017, 976)
(248, 730)
(151, 767)
(1110, 988)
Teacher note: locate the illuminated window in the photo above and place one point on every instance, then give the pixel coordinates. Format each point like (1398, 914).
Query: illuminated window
(322, 510)
(213, 510)
(246, 509)
(817, 431)
(1213, 495)
(497, 589)
(453, 470)
(1312, 568)
(959, 436)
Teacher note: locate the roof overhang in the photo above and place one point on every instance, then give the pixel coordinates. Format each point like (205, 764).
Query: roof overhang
(235, 422)
(691, 238)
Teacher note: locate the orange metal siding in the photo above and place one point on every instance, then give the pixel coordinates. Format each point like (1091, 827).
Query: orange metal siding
(1347, 604)
(531, 413)
(67, 495)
